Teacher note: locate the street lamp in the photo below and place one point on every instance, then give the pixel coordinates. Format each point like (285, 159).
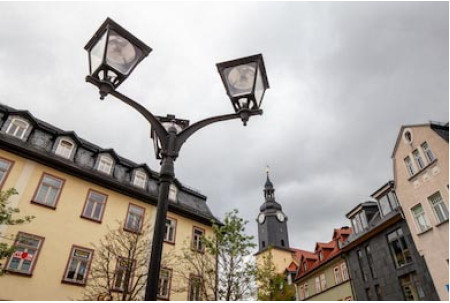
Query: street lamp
(113, 54)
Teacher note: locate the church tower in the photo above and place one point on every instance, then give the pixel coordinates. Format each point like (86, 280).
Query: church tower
(272, 222)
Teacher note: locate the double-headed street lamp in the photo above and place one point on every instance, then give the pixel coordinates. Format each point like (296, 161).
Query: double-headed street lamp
(113, 54)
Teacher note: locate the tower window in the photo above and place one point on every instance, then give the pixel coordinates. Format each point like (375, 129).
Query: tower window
(263, 244)
(282, 243)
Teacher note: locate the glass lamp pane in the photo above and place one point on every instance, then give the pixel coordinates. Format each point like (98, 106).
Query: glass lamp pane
(121, 53)
(259, 87)
(240, 79)
(97, 52)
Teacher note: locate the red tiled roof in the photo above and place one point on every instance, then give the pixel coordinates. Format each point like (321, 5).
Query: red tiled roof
(331, 250)
(292, 267)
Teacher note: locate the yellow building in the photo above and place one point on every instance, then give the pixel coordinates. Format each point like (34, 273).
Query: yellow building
(323, 275)
(421, 171)
(77, 191)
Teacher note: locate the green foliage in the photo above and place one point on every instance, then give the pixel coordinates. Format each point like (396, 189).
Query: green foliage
(272, 286)
(7, 217)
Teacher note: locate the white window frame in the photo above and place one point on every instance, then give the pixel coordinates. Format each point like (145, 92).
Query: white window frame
(62, 150)
(416, 218)
(140, 179)
(344, 272)
(306, 290)
(317, 284)
(337, 275)
(46, 184)
(428, 152)
(418, 158)
(170, 229)
(18, 127)
(197, 243)
(301, 294)
(135, 215)
(105, 164)
(80, 260)
(164, 283)
(323, 282)
(22, 252)
(438, 205)
(409, 166)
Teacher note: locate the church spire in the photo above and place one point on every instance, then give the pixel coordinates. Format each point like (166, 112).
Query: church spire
(269, 190)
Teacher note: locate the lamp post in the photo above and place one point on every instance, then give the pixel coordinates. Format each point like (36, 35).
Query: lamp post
(113, 54)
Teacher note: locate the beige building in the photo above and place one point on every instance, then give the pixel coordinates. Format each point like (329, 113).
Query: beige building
(323, 275)
(421, 172)
(77, 191)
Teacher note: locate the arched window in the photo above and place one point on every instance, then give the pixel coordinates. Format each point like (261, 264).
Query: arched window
(17, 128)
(64, 148)
(105, 164)
(140, 178)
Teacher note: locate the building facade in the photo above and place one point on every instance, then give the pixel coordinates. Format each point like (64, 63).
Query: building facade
(383, 261)
(77, 192)
(323, 275)
(421, 172)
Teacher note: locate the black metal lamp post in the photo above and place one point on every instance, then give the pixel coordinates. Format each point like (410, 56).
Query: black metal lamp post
(113, 54)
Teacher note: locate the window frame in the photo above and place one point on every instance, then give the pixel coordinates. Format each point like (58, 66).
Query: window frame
(403, 249)
(58, 195)
(418, 159)
(174, 231)
(423, 213)
(191, 278)
(86, 203)
(317, 285)
(7, 171)
(409, 166)
(14, 119)
(88, 266)
(195, 247)
(59, 147)
(141, 225)
(106, 158)
(143, 177)
(35, 258)
(301, 293)
(169, 284)
(119, 267)
(306, 290)
(323, 282)
(344, 272)
(427, 151)
(443, 208)
(337, 274)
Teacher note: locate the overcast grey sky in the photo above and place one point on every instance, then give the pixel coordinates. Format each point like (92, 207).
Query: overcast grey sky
(343, 78)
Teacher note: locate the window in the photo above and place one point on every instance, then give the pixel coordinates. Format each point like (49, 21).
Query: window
(135, 218)
(124, 267)
(282, 243)
(17, 128)
(305, 267)
(78, 266)
(165, 277)
(408, 288)
(370, 260)
(263, 244)
(344, 272)
(48, 191)
(378, 292)
(320, 256)
(139, 179)
(317, 284)
(418, 158)
(197, 243)
(398, 247)
(5, 167)
(409, 166)
(64, 148)
(195, 287)
(173, 191)
(105, 164)
(420, 218)
(337, 275)
(94, 206)
(27, 248)
(323, 282)
(171, 227)
(359, 222)
(305, 287)
(360, 260)
(428, 153)
(440, 210)
(388, 203)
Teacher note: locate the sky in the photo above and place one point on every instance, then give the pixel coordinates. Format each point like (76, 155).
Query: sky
(344, 77)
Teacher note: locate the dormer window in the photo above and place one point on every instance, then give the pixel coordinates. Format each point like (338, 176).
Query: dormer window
(173, 191)
(140, 178)
(64, 148)
(320, 256)
(388, 203)
(304, 266)
(105, 164)
(17, 128)
(359, 222)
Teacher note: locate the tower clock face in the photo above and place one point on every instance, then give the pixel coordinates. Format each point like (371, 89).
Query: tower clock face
(280, 216)
(261, 218)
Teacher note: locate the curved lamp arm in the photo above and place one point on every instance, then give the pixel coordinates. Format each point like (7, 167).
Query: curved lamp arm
(161, 132)
(187, 132)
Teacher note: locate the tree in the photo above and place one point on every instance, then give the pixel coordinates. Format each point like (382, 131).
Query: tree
(226, 268)
(272, 286)
(119, 269)
(7, 218)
